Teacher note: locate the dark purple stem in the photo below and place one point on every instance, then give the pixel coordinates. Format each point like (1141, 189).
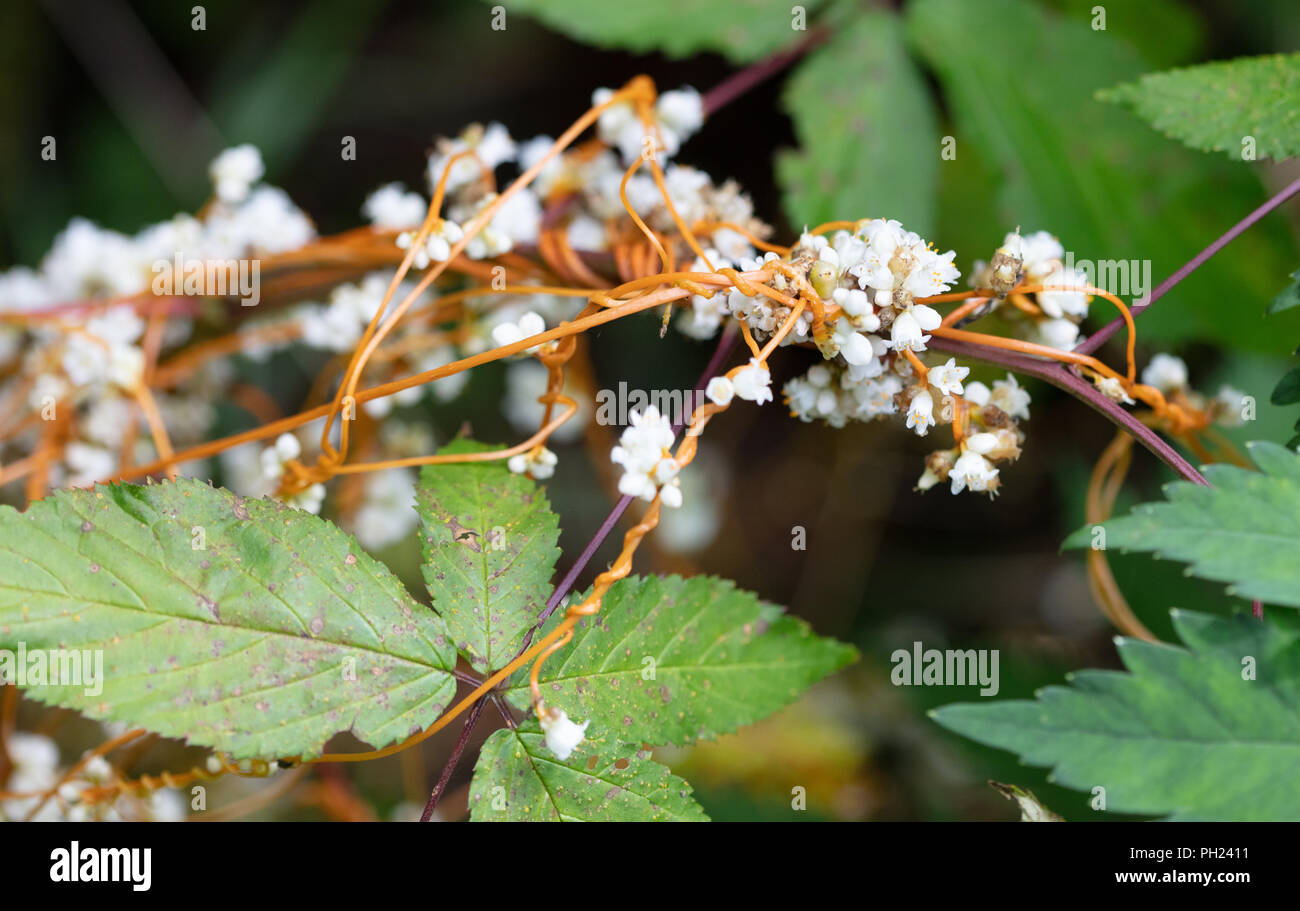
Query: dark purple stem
(1098, 338)
(470, 720)
(744, 80)
(1080, 389)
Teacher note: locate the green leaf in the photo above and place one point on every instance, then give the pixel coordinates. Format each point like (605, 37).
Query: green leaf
(1213, 107)
(517, 779)
(863, 117)
(1065, 163)
(1194, 733)
(489, 540)
(1287, 390)
(1243, 529)
(672, 660)
(1288, 297)
(741, 30)
(243, 625)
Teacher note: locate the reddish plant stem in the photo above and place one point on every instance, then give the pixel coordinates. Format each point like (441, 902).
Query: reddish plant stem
(1080, 389)
(453, 760)
(1098, 338)
(744, 80)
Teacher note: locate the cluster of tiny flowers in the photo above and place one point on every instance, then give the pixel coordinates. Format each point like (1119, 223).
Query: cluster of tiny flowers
(1038, 259)
(1169, 374)
(35, 770)
(644, 452)
(80, 353)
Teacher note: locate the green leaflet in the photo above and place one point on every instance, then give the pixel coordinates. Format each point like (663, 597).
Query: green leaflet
(275, 634)
(1215, 106)
(518, 779)
(672, 660)
(1288, 297)
(741, 30)
(489, 539)
(1244, 529)
(1211, 731)
(864, 119)
(1063, 162)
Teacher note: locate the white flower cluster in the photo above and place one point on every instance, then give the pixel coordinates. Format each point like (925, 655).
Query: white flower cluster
(645, 452)
(1039, 259)
(35, 759)
(1169, 374)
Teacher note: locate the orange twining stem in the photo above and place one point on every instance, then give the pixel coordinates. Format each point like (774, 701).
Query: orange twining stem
(102, 749)
(1013, 344)
(636, 90)
(658, 174)
(922, 372)
(640, 223)
(834, 226)
(1119, 304)
(203, 450)
(1103, 488)
(965, 310)
(708, 227)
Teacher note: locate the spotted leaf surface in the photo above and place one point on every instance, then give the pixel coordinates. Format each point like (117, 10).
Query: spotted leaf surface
(234, 623)
(517, 779)
(673, 660)
(489, 540)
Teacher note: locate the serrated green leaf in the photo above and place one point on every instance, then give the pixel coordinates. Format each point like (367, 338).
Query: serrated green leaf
(1187, 733)
(741, 30)
(1215, 106)
(849, 101)
(517, 779)
(489, 539)
(1243, 529)
(1069, 164)
(276, 634)
(673, 660)
(1288, 297)
(1287, 390)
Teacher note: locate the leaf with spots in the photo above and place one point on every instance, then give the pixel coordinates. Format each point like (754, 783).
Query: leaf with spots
(238, 624)
(489, 553)
(517, 779)
(672, 660)
(1210, 731)
(1251, 104)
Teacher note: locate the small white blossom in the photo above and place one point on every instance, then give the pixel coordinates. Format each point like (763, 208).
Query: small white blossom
(234, 171)
(1112, 388)
(971, 470)
(753, 382)
(562, 735)
(1010, 397)
(947, 377)
(540, 463)
(1166, 372)
(907, 333)
(720, 391)
(393, 206)
(920, 413)
(508, 333)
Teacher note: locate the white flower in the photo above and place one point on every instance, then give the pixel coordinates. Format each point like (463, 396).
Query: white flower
(1166, 372)
(309, 499)
(857, 308)
(977, 393)
(1058, 333)
(87, 464)
(971, 470)
(1112, 388)
(947, 377)
(562, 735)
(234, 171)
(491, 145)
(1057, 303)
(445, 234)
(392, 206)
(720, 391)
(753, 382)
(907, 332)
(920, 414)
(286, 449)
(540, 463)
(677, 115)
(648, 467)
(507, 333)
(1232, 405)
(1008, 396)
